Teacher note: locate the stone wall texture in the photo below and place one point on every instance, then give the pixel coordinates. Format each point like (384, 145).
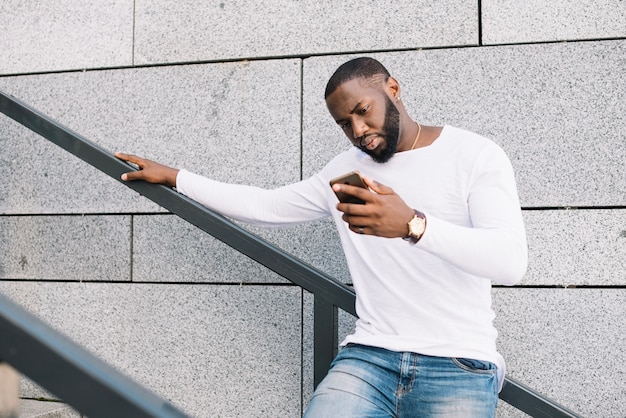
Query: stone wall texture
(234, 90)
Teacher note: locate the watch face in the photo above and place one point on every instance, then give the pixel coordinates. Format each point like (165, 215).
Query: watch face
(417, 226)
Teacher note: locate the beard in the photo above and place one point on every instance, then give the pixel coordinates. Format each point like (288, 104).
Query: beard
(391, 133)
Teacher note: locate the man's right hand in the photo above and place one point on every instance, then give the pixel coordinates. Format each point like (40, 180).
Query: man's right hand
(149, 171)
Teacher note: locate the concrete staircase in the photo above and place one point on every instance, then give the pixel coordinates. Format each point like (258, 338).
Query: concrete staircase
(30, 408)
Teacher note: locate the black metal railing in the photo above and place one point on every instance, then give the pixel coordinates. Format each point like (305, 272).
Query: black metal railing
(329, 294)
(70, 372)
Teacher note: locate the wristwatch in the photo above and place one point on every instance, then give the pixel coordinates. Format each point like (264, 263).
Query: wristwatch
(417, 226)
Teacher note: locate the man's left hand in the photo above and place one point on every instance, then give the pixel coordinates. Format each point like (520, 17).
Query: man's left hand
(384, 213)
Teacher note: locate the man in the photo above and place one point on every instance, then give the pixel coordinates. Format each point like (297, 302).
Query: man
(441, 219)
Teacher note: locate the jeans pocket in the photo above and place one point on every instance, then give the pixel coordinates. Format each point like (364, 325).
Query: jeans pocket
(473, 365)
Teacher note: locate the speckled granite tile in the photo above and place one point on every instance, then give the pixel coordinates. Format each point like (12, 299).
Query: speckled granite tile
(210, 350)
(65, 248)
(530, 99)
(196, 117)
(567, 344)
(576, 247)
(509, 21)
(197, 30)
(65, 35)
(167, 248)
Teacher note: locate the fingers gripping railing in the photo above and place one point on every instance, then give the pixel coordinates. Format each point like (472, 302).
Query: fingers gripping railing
(329, 293)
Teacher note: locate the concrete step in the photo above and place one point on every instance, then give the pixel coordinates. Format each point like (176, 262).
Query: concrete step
(30, 408)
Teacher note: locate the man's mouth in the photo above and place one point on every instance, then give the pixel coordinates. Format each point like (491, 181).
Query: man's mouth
(371, 142)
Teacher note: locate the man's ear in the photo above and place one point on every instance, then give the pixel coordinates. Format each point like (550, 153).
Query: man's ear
(393, 89)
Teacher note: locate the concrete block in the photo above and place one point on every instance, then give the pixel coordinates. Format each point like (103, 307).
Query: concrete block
(530, 99)
(576, 247)
(207, 118)
(210, 350)
(65, 248)
(567, 344)
(166, 248)
(539, 21)
(198, 31)
(65, 35)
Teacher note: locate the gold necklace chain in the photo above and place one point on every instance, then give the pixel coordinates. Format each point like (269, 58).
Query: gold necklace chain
(419, 130)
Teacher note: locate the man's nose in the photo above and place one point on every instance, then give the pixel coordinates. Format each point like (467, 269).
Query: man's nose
(358, 128)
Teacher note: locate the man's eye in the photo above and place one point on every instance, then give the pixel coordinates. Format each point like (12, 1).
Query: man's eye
(364, 110)
(344, 125)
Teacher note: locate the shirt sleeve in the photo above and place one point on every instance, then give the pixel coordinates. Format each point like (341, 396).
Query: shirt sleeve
(494, 246)
(296, 203)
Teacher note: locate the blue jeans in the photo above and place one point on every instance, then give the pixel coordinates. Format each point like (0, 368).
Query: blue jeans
(374, 382)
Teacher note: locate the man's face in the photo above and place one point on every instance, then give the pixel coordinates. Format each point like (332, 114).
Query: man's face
(368, 117)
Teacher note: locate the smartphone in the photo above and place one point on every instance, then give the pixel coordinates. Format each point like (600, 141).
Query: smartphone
(354, 179)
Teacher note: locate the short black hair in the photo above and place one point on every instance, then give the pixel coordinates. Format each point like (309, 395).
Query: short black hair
(364, 67)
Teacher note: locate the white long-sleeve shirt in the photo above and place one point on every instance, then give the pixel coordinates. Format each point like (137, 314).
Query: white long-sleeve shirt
(433, 297)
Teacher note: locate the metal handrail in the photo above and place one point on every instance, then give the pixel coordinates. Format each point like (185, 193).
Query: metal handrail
(328, 292)
(275, 259)
(70, 372)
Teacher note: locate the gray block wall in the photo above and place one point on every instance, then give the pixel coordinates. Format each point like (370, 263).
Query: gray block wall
(234, 91)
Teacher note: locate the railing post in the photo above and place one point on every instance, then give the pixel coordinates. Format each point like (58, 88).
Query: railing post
(9, 391)
(325, 337)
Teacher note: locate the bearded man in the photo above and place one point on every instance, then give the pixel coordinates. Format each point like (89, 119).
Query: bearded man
(438, 222)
